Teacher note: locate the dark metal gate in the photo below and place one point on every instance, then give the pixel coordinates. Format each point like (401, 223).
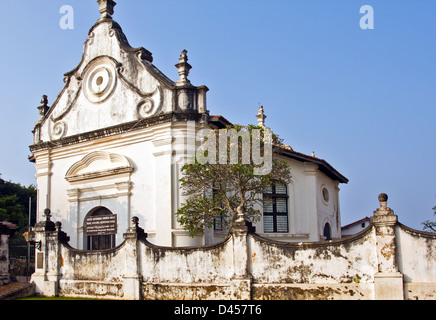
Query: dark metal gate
(19, 253)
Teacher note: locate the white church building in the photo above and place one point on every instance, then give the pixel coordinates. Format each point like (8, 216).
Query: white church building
(111, 146)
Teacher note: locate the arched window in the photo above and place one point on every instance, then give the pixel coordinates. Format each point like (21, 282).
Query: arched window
(327, 232)
(103, 238)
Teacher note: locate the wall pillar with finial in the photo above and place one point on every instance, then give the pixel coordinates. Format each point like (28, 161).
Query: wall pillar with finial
(388, 281)
(132, 279)
(189, 98)
(43, 230)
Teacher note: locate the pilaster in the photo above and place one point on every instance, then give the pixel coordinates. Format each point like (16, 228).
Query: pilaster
(43, 166)
(311, 214)
(163, 153)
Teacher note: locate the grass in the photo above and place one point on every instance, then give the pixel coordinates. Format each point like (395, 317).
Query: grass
(54, 298)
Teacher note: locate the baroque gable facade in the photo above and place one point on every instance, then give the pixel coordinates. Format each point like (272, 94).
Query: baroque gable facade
(114, 140)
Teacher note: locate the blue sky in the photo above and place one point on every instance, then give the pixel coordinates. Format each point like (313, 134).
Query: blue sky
(364, 100)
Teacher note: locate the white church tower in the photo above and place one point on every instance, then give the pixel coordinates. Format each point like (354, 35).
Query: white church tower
(111, 145)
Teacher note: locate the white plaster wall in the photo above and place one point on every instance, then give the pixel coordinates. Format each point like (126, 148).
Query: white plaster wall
(201, 265)
(341, 262)
(417, 255)
(141, 202)
(299, 217)
(93, 266)
(355, 228)
(341, 269)
(155, 193)
(328, 211)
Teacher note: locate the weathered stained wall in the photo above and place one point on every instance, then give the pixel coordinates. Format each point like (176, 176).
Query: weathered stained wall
(190, 265)
(187, 274)
(385, 261)
(4, 259)
(4, 255)
(343, 268)
(92, 273)
(417, 262)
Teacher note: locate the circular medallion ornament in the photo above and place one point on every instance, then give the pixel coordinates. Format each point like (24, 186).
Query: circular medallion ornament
(100, 82)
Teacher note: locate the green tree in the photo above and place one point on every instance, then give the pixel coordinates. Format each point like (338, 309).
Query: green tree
(14, 202)
(429, 225)
(229, 190)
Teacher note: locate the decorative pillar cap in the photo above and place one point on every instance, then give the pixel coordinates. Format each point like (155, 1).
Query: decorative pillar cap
(43, 107)
(183, 68)
(383, 197)
(106, 8)
(58, 226)
(46, 224)
(383, 200)
(47, 214)
(384, 215)
(261, 117)
(60, 235)
(135, 232)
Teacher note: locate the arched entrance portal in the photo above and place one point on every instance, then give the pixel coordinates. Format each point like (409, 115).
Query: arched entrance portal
(101, 228)
(327, 232)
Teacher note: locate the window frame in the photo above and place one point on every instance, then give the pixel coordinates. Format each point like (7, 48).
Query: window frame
(274, 214)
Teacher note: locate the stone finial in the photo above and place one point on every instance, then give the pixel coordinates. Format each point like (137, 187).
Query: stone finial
(106, 8)
(62, 236)
(46, 224)
(261, 117)
(384, 209)
(135, 223)
(183, 68)
(383, 199)
(47, 214)
(43, 108)
(58, 226)
(135, 232)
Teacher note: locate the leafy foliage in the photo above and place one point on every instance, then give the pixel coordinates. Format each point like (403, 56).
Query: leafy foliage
(429, 225)
(227, 190)
(14, 202)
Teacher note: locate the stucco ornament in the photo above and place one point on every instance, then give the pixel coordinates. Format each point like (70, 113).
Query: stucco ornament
(58, 130)
(145, 108)
(100, 82)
